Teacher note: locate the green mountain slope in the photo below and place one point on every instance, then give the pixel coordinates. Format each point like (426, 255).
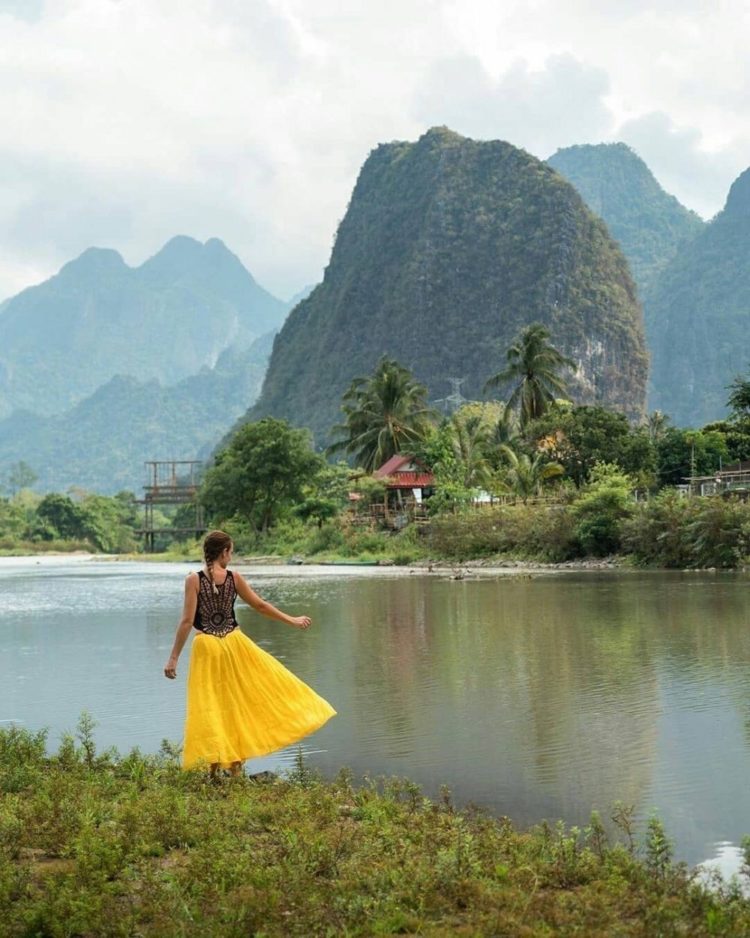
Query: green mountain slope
(647, 222)
(449, 246)
(698, 310)
(102, 442)
(98, 318)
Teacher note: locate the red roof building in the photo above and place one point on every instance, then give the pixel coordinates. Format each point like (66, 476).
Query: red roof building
(403, 471)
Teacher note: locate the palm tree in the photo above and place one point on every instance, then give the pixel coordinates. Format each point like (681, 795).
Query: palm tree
(534, 367)
(471, 438)
(657, 424)
(524, 476)
(383, 415)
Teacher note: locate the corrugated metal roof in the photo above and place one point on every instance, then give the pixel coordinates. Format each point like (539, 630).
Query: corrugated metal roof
(392, 465)
(409, 480)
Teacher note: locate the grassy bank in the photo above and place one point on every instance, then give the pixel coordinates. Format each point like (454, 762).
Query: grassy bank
(98, 844)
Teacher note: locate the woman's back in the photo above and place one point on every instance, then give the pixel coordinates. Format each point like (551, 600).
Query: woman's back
(214, 613)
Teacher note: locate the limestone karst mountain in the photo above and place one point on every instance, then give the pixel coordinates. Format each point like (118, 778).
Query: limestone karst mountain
(449, 246)
(649, 224)
(698, 311)
(97, 318)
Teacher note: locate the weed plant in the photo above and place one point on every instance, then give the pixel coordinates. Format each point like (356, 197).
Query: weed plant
(101, 844)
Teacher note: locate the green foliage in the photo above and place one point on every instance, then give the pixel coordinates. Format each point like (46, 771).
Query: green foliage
(110, 522)
(659, 856)
(448, 248)
(580, 437)
(131, 845)
(326, 495)
(670, 531)
(456, 452)
(534, 373)
(59, 516)
(680, 452)
(601, 509)
(539, 532)
(739, 399)
(525, 476)
(260, 474)
(97, 522)
(736, 434)
(384, 414)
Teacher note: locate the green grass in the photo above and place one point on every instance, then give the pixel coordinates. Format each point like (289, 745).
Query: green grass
(101, 844)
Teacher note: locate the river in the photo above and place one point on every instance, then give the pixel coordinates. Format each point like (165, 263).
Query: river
(536, 695)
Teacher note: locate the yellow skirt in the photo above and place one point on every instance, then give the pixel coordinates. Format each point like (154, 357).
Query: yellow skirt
(242, 702)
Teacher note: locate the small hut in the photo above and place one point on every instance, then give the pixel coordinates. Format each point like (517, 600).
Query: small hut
(408, 484)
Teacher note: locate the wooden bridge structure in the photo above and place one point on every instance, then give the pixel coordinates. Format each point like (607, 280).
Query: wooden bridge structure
(170, 482)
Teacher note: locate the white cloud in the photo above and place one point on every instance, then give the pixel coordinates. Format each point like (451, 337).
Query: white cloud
(542, 109)
(679, 159)
(123, 122)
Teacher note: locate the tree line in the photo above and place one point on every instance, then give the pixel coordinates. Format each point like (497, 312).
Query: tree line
(529, 443)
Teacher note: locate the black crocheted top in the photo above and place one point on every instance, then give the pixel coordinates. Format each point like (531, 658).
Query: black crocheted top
(214, 613)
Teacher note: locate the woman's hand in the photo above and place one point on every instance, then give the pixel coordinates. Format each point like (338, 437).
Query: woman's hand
(170, 668)
(301, 622)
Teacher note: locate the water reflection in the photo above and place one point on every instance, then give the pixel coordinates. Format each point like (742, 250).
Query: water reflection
(537, 696)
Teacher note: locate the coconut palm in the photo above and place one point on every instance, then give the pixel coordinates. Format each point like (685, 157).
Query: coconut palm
(385, 414)
(657, 424)
(525, 476)
(471, 439)
(534, 367)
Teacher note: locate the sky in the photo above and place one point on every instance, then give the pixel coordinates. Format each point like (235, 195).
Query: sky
(125, 122)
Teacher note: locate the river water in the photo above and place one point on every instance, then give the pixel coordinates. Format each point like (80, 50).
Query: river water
(536, 696)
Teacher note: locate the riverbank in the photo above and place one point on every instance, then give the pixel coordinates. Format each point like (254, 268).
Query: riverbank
(665, 532)
(99, 844)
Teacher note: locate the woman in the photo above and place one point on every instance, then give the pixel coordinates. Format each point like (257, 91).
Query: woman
(241, 701)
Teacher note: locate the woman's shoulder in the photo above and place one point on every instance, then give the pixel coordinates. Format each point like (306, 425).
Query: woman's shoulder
(194, 577)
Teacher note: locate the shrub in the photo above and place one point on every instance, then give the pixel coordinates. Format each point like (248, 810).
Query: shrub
(601, 510)
(541, 531)
(671, 531)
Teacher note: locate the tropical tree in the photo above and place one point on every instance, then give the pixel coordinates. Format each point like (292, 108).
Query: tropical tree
(534, 370)
(471, 443)
(600, 512)
(739, 398)
(657, 424)
(384, 414)
(19, 476)
(579, 437)
(456, 453)
(261, 473)
(525, 475)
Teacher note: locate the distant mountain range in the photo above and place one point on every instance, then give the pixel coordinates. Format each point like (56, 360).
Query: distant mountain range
(102, 442)
(104, 366)
(448, 248)
(97, 318)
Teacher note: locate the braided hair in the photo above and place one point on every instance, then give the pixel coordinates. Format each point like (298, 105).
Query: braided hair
(214, 545)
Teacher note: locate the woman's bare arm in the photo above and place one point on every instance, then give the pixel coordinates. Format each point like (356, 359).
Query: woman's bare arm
(265, 608)
(185, 624)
